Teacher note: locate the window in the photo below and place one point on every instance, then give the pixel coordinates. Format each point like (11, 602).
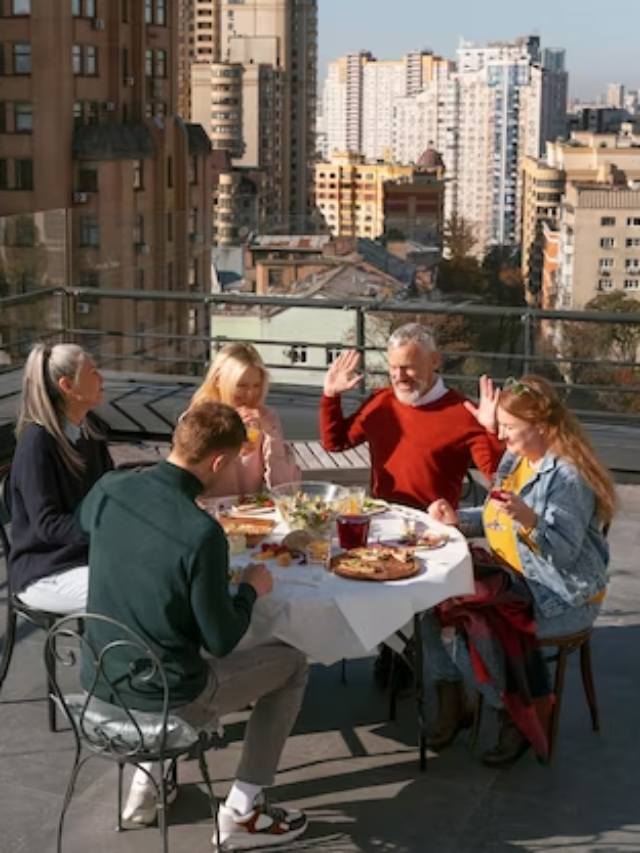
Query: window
(3, 116)
(633, 222)
(607, 221)
(148, 63)
(169, 172)
(138, 229)
(78, 114)
(4, 176)
(24, 174)
(605, 284)
(607, 243)
(193, 220)
(89, 231)
(90, 8)
(125, 12)
(161, 63)
(170, 227)
(90, 60)
(632, 242)
(632, 283)
(632, 264)
(193, 169)
(161, 12)
(76, 58)
(76, 8)
(148, 11)
(23, 117)
(88, 178)
(298, 354)
(92, 112)
(22, 58)
(606, 263)
(332, 353)
(21, 7)
(138, 173)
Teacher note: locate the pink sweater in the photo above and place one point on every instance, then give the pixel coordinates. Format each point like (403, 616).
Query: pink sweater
(270, 465)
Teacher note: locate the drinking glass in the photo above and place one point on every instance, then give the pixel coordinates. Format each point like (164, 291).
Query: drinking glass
(496, 491)
(353, 531)
(253, 434)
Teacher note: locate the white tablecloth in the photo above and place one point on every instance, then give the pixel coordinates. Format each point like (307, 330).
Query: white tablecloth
(330, 618)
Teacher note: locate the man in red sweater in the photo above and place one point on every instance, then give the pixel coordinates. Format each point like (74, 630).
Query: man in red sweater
(422, 435)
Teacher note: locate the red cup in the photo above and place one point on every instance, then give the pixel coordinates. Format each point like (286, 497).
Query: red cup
(353, 531)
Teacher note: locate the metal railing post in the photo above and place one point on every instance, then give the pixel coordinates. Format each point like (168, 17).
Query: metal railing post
(361, 345)
(527, 320)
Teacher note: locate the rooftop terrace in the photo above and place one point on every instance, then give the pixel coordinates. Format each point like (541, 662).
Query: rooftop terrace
(357, 774)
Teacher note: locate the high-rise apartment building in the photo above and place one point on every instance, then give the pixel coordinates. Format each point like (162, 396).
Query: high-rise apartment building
(93, 160)
(360, 97)
(615, 95)
(509, 106)
(484, 113)
(260, 101)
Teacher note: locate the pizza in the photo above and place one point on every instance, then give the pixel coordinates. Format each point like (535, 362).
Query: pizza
(254, 529)
(253, 503)
(376, 563)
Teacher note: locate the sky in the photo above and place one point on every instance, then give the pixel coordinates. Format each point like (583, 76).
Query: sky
(601, 41)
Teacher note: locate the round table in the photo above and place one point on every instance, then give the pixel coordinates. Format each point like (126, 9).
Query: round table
(331, 618)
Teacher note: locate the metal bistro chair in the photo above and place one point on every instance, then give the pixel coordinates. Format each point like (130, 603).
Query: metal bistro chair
(114, 730)
(17, 609)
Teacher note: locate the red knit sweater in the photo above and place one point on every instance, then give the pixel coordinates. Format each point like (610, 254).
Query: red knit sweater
(418, 454)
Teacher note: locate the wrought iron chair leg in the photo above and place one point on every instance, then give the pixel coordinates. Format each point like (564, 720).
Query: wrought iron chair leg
(162, 810)
(77, 764)
(9, 641)
(120, 776)
(586, 669)
(50, 664)
(213, 801)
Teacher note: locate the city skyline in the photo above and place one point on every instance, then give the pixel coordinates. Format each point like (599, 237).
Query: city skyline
(350, 27)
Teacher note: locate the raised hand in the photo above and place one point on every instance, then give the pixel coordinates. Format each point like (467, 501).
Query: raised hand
(486, 412)
(342, 375)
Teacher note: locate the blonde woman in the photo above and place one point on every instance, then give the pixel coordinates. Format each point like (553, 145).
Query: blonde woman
(239, 378)
(59, 456)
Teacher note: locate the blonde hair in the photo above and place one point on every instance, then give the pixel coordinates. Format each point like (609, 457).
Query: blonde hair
(43, 402)
(534, 399)
(226, 370)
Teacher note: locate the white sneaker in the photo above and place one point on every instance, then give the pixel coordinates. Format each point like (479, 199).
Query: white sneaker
(263, 827)
(142, 803)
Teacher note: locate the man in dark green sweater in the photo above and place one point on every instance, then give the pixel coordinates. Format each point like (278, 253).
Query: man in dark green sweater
(159, 564)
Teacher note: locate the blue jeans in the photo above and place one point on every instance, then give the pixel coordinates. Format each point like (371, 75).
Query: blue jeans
(449, 659)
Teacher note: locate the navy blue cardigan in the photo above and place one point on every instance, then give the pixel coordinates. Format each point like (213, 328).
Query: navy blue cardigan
(44, 495)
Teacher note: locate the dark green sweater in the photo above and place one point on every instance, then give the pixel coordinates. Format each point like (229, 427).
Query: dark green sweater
(159, 565)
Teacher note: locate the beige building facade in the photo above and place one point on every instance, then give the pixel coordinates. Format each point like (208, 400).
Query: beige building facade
(586, 157)
(88, 135)
(599, 243)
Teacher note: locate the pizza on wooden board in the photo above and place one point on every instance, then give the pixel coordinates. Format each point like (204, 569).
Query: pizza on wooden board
(377, 563)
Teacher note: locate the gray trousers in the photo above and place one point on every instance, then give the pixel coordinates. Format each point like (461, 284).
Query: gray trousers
(274, 676)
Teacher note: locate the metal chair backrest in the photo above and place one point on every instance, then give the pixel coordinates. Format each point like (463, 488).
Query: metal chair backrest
(5, 515)
(118, 664)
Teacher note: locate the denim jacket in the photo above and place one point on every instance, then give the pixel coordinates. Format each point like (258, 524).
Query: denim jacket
(565, 558)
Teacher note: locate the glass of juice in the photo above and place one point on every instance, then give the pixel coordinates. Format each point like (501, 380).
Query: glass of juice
(353, 531)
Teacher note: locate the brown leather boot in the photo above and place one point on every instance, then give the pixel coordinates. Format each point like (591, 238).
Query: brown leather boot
(512, 744)
(453, 715)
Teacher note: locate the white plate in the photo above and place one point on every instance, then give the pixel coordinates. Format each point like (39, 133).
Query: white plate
(376, 506)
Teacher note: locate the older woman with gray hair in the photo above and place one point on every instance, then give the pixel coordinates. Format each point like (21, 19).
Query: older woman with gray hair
(59, 456)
